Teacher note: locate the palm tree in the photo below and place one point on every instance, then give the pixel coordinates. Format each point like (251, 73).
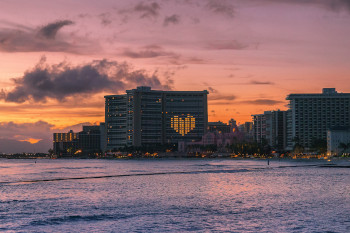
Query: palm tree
(344, 146)
(319, 145)
(298, 148)
(50, 151)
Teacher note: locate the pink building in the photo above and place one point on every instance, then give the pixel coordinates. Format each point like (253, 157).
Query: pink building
(221, 140)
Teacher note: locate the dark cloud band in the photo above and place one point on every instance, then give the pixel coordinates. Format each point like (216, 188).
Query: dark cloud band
(63, 80)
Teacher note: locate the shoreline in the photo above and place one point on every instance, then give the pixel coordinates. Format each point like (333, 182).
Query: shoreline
(186, 158)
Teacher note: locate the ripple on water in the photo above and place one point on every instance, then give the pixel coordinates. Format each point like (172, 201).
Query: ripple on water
(176, 196)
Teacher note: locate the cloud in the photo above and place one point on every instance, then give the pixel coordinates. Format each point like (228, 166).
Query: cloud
(173, 19)
(24, 131)
(212, 90)
(340, 4)
(262, 102)
(155, 51)
(59, 81)
(50, 30)
(227, 100)
(226, 103)
(179, 60)
(255, 82)
(151, 51)
(30, 137)
(12, 146)
(222, 97)
(75, 128)
(222, 7)
(105, 19)
(334, 5)
(225, 45)
(217, 97)
(25, 39)
(146, 10)
(84, 15)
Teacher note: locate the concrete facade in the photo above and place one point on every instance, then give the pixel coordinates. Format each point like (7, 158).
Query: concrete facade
(311, 115)
(336, 137)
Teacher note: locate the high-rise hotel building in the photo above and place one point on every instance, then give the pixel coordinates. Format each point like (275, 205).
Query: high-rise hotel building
(148, 117)
(311, 115)
(271, 127)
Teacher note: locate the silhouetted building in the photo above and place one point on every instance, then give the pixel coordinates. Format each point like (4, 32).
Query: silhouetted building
(219, 127)
(65, 143)
(87, 142)
(103, 138)
(311, 115)
(232, 122)
(150, 117)
(271, 128)
(247, 130)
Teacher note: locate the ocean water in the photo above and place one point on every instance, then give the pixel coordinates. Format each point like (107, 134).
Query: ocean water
(198, 195)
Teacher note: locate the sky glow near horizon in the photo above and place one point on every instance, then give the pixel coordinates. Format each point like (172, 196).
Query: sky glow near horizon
(59, 58)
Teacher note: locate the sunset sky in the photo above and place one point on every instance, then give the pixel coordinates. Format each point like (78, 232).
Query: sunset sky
(59, 58)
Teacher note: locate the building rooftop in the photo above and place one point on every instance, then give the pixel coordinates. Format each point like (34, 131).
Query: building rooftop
(149, 89)
(326, 93)
(217, 123)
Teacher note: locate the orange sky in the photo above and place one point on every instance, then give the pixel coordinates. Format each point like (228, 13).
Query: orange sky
(248, 54)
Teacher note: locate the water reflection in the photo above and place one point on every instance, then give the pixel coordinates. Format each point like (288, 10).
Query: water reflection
(174, 195)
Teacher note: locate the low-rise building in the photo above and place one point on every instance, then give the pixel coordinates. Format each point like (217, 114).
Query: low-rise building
(338, 140)
(215, 138)
(65, 144)
(219, 127)
(247, 129)
(88, 142)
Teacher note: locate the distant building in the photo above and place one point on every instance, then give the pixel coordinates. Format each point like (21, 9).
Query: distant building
(216, 138)
(232, 122)
(338, 140)
(150, 117)
(247, 130)
(87, 142)
(103, 138)
(270, 127)
(311, 115)
(289, 131)
(219, 127)
(65, 143)
(259, 127)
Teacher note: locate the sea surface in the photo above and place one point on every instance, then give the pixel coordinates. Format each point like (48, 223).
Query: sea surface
(188, 195)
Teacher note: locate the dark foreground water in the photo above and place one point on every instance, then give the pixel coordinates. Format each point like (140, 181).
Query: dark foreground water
(174, 196)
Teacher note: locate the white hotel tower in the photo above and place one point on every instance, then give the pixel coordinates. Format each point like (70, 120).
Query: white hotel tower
(311, 115)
